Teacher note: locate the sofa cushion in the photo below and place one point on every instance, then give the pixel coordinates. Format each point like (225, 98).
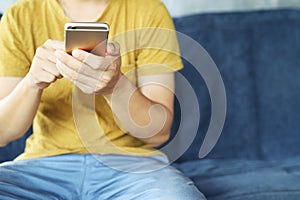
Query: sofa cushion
(245, 179)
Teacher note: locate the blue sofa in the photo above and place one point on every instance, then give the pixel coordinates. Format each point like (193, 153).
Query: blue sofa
(257, 156)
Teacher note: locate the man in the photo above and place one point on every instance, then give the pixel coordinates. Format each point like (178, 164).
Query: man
(69, 156)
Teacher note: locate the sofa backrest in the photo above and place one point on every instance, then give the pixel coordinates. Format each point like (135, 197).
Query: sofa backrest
(257, 54)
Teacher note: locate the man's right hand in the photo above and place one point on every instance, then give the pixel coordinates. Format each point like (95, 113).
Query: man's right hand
(43, 69)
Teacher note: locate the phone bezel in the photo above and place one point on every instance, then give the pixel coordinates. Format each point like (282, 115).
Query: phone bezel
(88, 36)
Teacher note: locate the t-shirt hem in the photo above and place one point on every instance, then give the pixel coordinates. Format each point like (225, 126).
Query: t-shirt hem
(145, 153)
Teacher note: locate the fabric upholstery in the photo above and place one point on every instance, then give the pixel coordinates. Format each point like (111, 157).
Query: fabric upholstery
(240, 179)
(257, 55)
(14, 149)
(257, 156)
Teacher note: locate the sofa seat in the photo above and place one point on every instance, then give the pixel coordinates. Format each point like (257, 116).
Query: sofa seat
(237, 179)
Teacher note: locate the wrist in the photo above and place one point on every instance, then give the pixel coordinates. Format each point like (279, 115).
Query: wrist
(122, 91)
(31, 84)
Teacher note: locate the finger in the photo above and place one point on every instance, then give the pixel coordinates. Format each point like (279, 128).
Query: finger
(74, 76)
(52, 69)
(48, 66)
(47, 78)
(93, 61)
(54, 45)
(106, 76)
(45, 53)
(113, 49)
(51, 56)
(79, 67)
(43, 77)
(66, 72)
(68, 60)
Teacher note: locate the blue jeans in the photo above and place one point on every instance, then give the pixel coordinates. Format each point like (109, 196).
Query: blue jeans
(89, 177)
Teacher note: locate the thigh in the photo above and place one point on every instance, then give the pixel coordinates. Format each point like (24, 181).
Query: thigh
(167, 183)
(45, 178)
(159, 183)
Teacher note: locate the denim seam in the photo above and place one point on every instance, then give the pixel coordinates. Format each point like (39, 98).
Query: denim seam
(83, 177)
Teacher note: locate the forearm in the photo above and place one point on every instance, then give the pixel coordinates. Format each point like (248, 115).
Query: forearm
(17, 111)
(141, 117)
(146, 113)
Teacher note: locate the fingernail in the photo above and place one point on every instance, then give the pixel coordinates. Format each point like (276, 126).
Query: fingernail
(76, 54)
(112, 47)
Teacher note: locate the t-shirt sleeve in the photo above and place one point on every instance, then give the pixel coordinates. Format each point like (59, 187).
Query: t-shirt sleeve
(158, 50)
(13, 58)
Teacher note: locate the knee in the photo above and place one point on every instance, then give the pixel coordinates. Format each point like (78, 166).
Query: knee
(180, 192)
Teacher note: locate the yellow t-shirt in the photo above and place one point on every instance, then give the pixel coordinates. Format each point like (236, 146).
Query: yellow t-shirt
(63, 123)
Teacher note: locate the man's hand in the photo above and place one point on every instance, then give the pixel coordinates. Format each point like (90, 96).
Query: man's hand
(91, 73)
(43, 69)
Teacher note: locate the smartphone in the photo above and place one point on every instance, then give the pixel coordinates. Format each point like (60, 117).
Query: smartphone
(87, 36)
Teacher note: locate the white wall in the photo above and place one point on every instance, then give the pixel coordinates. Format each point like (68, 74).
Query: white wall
(5, 4)
(186, 7)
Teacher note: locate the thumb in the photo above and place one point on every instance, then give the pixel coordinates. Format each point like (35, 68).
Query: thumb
(113, 49)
